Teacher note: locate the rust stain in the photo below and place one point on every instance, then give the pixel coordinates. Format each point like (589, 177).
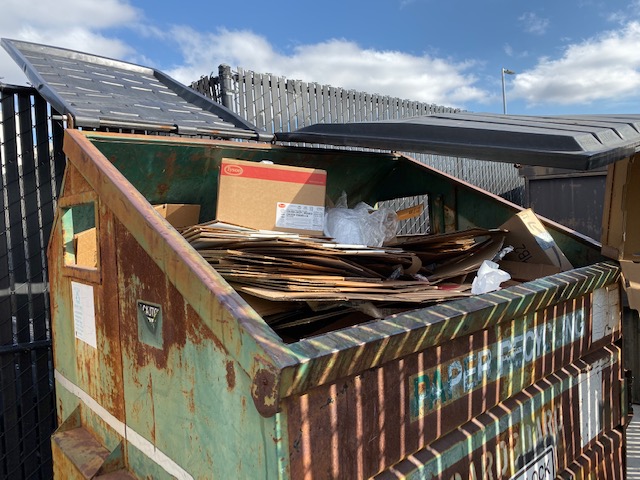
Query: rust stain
(143, 279)
(198, 332)
(264, 392)
(162, 189)
(231, 376)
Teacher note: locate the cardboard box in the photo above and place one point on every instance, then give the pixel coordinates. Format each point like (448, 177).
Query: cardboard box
(85, 245)
(525, 272)
(271, 197)
(532, 242)
(631, 276)
(177, 214)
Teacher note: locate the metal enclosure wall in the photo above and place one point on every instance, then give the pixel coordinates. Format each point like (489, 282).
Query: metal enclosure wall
(32, 166)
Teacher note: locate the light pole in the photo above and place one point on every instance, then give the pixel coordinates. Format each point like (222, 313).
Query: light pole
(504, 93)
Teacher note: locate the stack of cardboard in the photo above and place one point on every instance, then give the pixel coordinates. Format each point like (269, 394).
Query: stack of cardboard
(294, 269)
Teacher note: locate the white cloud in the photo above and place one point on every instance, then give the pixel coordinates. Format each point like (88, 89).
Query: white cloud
(65, 13)
(632, 11)
(606, 67)
(534, 24)
(508, 50)
(74, 24)
(335, 62)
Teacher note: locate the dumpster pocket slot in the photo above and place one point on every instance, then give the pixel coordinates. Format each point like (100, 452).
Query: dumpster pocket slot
(80, 233)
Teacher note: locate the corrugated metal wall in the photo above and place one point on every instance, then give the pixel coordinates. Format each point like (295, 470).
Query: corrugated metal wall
(32, 163)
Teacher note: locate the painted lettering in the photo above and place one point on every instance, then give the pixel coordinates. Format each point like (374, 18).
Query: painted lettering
(514, 351)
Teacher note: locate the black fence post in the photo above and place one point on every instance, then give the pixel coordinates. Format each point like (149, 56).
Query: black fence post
(226, 86)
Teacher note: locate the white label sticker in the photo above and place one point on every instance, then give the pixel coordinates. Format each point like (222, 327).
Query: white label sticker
(302, 217)
(590, 402)
(84, 313)
(543, 467)
(606, 312)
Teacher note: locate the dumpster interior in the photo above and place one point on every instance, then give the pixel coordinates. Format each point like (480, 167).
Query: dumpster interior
(304, 285)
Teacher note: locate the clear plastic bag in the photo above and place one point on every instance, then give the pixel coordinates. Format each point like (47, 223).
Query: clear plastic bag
(361, 225)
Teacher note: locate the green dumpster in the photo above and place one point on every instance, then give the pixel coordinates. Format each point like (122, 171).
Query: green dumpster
(491, 384)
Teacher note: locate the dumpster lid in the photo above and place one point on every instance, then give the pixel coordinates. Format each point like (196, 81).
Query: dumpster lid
(579, 142)
(99, 92)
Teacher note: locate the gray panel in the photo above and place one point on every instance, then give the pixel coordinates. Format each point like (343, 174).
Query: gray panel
(575, 201)
(569, 142)
(99, 92)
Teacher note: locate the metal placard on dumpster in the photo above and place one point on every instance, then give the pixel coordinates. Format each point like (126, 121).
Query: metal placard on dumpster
(543, 467)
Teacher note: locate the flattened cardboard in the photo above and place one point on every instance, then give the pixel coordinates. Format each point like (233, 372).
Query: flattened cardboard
(271, 197)
(532, 242)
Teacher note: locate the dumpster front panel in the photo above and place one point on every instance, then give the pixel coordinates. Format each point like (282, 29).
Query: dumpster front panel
(549, 426)
(361, 424)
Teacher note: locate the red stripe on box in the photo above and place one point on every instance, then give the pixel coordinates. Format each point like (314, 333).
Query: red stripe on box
(274, 174)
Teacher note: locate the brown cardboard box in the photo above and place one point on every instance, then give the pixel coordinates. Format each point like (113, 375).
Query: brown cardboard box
(271, 197)
(525, 272)
(177, 214)
(532, 242)
(85, 244)
(620, 232)
(631, 275)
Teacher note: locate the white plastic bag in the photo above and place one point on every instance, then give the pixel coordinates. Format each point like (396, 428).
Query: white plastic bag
(488, 278)
(361, 225)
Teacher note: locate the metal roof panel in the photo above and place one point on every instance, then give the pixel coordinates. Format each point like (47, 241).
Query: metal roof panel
(99, 92)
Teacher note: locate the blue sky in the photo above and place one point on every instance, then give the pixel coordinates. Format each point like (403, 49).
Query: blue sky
(570, 57)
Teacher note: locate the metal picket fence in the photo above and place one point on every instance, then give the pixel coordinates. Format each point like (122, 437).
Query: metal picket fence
(32, 163)
(275, 104)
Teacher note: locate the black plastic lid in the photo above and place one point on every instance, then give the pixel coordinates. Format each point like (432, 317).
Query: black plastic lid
(570, 142)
